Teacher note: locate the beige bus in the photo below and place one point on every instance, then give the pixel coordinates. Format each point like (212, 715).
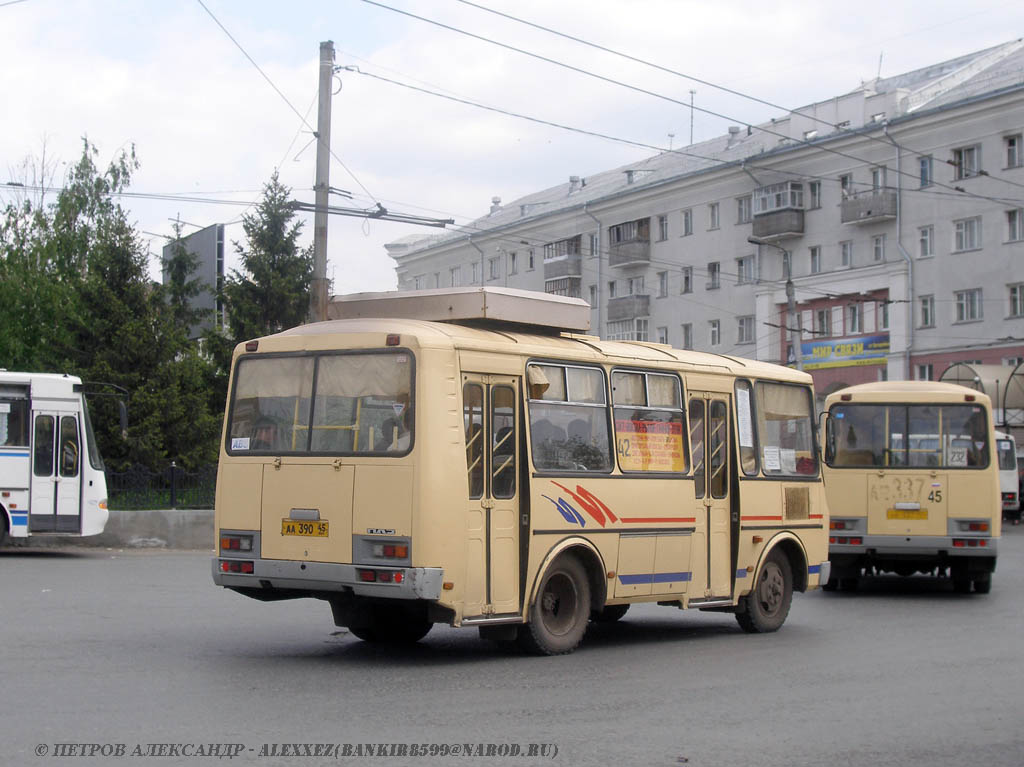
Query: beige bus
(502, 471)
(913, 484)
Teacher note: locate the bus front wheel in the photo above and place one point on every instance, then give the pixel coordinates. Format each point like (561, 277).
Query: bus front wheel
(559, 615)
(765, 608)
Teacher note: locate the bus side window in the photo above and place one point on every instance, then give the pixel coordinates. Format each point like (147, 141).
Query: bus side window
(473, 416)
(69, 446)
(697, 444)
(42, 462)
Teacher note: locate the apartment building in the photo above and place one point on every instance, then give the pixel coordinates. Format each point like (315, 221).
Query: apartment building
(879, 234)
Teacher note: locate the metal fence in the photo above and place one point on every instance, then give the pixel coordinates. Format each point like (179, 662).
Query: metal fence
(172, 488)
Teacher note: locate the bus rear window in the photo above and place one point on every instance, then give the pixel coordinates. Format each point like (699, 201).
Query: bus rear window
(359, 403)
(933, 436)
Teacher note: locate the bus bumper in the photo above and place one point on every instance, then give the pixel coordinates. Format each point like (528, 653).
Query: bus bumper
(274, 574)
(918, 546)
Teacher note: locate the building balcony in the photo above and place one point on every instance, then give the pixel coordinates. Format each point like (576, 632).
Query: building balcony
(628, 307)
(780, 224)
(869, 206)
(563, 266)
(629, 253)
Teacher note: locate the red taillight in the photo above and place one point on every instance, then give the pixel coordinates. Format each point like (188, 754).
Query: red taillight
(393, 339)
(233, 566)
(399, 577)
(236, 543)
(367, 576)
(837, 525)
(978, 527)
(251, 346)
(856, 541)
(846, 397)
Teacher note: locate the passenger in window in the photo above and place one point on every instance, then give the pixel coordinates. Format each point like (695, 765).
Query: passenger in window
(264, 434)
(395, 435)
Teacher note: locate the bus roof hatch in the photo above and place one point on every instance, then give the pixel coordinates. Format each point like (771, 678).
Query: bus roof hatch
(471, 306)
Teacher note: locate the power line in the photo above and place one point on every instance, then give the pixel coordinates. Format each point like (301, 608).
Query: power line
(285, 99)
(644, 91)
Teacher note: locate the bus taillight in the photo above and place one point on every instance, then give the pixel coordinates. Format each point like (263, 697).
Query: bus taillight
(236, 543)
(233, 566)
(391, 550)
(381, 576)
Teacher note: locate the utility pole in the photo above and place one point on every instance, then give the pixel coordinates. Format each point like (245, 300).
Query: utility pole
(795, 336)
(318, 286)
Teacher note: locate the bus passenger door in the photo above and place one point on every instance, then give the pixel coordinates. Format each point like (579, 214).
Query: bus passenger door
(709, 440)
(491, 421)
(56, 466)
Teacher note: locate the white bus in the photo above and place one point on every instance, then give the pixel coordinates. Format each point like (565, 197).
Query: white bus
(51, 472)
(1009, 481)
(520, 481)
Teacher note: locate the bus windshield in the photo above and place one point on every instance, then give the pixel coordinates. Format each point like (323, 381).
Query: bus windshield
(333, 404)
(941, 436)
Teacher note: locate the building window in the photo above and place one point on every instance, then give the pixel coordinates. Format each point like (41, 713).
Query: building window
(714, 332)
(878, 247)
(630, 231)
(635, 286)
(967, 234)
(687, 282)
(846, 185)
(687, 222)
(745, 330)
(621, 330)
(926, 241)
(495, 266)
(744, 270)
(593, 244)
(823, 322)
(878, 178)
(662, 335)
(687, 328)
(883, 315)
(563, 286)
(1017, 300)
(815, 259)
(455, 276)
(641, 330)
(925, 167)
(925, 372)
(611, 289)
(714, 274)
(846, 253)
(513, 266)
(473, 279)
(1012, 362)
(437, 279)
(853, 324)
(814, 193)
(713, 215)
(927, 311)
(562, 249)
(662, 227)
(966, 162)
(593, 295)
(787, 195)
(662, 284)
(1013, 225)
(743, 209)
(787, 265)
(968, 305)
(1014, 157)
(530, 266)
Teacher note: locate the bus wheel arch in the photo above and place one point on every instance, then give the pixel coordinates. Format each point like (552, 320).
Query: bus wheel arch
(564, 599)
(765, 608)
(589, 558)
(790, 547)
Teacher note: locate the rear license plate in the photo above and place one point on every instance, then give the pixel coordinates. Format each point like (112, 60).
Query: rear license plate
(307, 529)
(907, 514)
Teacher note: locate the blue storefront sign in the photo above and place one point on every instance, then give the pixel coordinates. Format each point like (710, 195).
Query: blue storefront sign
(845, 352)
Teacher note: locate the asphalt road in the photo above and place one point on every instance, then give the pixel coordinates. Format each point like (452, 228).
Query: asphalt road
(139, 648)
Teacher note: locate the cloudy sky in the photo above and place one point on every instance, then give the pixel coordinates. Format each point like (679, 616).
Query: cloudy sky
(166, 76)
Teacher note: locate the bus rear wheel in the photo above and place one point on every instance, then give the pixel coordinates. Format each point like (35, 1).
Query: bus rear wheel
(559, 615)
(611, 613)
(983, 583)
(390, 625)
(765, 608)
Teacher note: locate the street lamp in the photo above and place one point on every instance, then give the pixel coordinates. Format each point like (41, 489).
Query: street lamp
(794, 336)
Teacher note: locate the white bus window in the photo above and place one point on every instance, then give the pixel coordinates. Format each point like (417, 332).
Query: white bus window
(785, 429)
(1007, 459)
(69, 446)
(649, 421)
(42, 462)
(569, 434)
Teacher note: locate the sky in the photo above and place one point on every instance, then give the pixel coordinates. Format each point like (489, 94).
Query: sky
(216, 95)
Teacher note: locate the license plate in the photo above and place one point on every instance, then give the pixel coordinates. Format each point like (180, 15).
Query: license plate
(306, 529)
(907, 514)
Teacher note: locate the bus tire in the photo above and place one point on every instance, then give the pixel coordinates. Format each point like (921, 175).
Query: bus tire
(611, 613)
(983, 583)
(558, 616)
(961, 580)
(390, 625)
(3, 527)
(765, 608)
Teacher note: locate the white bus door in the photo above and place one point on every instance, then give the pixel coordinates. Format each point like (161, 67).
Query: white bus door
(56, 468)
(709, 441)
(491, 421)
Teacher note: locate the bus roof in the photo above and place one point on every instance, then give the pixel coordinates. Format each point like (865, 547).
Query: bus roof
(902, 391)
(334, 334)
